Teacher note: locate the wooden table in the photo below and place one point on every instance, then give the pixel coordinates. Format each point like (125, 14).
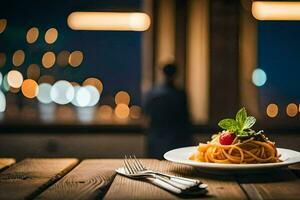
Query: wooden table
(63, 178)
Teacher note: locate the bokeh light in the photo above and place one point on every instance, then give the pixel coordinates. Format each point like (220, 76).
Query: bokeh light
(272, 110)
(51, 35)
(122, 97)
(2, 59)
(5, 85)
(48, 59)
(259, 77)
(3, 23)
(46, 79)
(105, 112)
(62, 92)
(33, 72)
(63, 58)
(83, 97)
(1, 78)
(18, 58)
(2, 102)
(76, 58)
(14, 90)
(94, 82)
(32, 35)
(30, 88)
(122, 111)
(14, 79)
(44, 93)
(292, 110)
(95, 95)
(135, 112)
(74, 83)
(74, 100)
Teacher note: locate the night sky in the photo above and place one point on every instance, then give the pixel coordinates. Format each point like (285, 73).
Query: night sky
(279, 57)
(113, 57)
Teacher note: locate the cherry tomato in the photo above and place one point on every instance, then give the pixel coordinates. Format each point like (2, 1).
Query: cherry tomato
(226, 138)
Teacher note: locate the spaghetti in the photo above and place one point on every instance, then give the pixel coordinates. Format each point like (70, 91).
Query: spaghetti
(239, 152)
(237, 143)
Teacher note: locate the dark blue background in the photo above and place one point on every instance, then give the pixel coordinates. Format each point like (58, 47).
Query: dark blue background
(279, 57)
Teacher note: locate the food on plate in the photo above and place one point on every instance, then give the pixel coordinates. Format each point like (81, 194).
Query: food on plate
(237, 143)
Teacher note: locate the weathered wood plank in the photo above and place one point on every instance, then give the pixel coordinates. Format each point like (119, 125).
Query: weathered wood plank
(124, 188)
(89, 180)
(277, 184)
(6, 162)
(30, 177)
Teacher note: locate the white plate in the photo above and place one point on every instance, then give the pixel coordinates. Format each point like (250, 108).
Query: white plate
(181, 155)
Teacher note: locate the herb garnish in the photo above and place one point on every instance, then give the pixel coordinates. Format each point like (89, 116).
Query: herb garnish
(241, 125)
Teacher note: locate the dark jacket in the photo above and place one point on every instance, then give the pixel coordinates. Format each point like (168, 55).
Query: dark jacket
(169, 125)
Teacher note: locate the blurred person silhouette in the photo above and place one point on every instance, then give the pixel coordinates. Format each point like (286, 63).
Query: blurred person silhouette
(166, 110)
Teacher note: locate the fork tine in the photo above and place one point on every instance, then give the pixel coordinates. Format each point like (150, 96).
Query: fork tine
(136, 164)
(139, 163)
(127, 166)
(133, 164)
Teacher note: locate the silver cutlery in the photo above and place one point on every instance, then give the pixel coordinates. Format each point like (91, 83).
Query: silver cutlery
(185, 181)
(133, 168)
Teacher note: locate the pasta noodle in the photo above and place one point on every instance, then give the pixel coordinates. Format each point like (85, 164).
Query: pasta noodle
(239, 152)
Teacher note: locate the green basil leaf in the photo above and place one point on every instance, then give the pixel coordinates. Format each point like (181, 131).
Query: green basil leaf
(250, 121)
(241, 117)
(228, 124)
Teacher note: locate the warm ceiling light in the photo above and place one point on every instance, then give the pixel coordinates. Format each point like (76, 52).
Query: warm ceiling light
(271, 10)
(111, 21)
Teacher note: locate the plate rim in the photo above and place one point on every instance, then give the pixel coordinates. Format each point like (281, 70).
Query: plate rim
(206, 165)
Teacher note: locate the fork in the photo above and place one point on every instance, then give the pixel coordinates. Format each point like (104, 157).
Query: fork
(136, 169)
(186, 181)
